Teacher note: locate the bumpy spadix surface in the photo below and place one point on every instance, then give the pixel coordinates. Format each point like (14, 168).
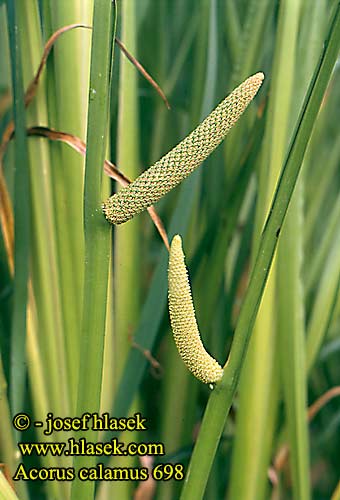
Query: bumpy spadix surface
(183, 321)
(176, 165)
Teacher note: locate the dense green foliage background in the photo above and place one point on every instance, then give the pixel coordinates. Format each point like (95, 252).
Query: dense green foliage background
(83, 321)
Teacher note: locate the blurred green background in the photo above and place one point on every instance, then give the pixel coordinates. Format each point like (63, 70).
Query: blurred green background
(86, 309)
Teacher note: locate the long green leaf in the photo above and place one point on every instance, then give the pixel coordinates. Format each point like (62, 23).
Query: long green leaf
(45, 282)
(221, 398)
(97, 232)
(22, 219)
(324, 303)
(259, 383)
(127, 239)
(67, 79)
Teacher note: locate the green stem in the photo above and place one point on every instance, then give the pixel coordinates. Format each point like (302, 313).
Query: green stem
(97, 233)
(233, 30)
(259, 383)
(22, 219)
(127, 240)
(67, 77)
(127, 236)
(44, 272)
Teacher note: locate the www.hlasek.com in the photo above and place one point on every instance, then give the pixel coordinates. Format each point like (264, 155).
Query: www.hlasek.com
(72, 447)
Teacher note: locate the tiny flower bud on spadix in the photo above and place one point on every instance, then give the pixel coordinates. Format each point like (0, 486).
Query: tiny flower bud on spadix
(183, 321)
(176, 165)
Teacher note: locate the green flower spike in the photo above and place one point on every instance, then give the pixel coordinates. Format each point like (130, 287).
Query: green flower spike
(183, 320)
(176, 165)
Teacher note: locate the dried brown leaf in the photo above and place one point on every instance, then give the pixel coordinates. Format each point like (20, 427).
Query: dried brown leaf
(143, 71)
(109, 168)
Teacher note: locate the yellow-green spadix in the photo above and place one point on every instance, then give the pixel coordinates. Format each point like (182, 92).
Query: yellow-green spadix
(176, 165)
(183, 320)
